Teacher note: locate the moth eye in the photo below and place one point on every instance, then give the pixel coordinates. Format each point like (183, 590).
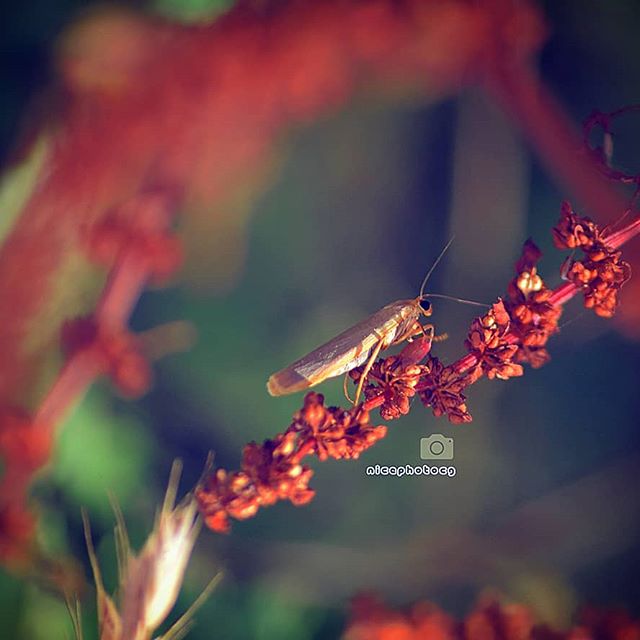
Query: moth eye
(426, 305)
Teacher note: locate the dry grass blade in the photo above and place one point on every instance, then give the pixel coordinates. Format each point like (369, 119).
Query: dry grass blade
(109, 622)
(75, 613)
(151, 580)
(183, 624)
(123, 546)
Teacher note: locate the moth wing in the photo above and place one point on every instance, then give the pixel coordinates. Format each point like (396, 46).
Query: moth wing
(340, 354)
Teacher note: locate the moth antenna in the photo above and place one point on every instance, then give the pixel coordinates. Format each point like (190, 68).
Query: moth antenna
(463, 300)
(435, 264)
(571, 320)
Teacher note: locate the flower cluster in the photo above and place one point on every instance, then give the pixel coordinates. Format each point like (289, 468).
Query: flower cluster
(602, 272)
(395, 378)
(441, 389)
(534, 318)
(492, 349)
(269, 473)
(371, 619)
(272, 471)
(488, 342)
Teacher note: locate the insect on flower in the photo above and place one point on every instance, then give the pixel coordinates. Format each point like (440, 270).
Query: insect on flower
(360, 344)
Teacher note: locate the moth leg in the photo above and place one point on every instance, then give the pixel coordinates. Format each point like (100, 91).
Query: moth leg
(345, 388)
(566, 265)
(365, 372)
(430, 333)
(416, 330)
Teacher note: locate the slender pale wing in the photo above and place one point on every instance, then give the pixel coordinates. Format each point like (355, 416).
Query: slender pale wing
(343, 353)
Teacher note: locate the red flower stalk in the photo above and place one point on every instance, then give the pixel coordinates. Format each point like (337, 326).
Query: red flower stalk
(517, 330)
(512, 332)
(272, 471)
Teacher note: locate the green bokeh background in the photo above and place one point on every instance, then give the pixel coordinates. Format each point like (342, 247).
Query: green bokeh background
(544, 506)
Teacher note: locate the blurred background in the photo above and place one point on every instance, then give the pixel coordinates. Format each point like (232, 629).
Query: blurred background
(544, 507)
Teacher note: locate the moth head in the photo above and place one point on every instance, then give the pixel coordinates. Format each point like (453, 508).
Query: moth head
(425, 306)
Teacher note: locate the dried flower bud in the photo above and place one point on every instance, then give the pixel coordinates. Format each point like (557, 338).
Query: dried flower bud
(529, 281)
(489, 342)
(394, 379)
(441, 389)
(533, 318)
(602, 272)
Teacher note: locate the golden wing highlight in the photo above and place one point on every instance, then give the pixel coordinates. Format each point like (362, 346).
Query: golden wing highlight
(342, 353)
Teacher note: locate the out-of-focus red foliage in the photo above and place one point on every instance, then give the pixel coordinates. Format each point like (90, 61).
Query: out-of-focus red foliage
(371, 619)
(145, 102)
(602, 155)
(115, 351)
(154, 117)
(97, 344)
(25, 447)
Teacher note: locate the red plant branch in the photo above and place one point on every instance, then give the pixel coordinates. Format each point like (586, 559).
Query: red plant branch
(513, 332)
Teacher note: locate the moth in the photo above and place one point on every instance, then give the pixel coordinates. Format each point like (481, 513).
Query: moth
(361, 343)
